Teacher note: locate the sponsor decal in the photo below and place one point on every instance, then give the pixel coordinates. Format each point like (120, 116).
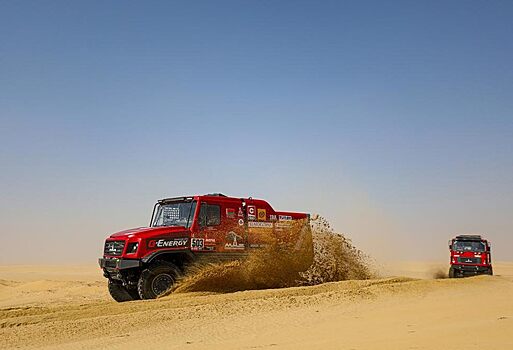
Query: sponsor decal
(233, 241)
(197, 243)
(168, 243)
(272, 217)
(285, 217)
(240, 214)
(202, 244)
(257, 245)
(251, 212)
(241, 222)
(230, 212)
(171, 213)
(258, 224)
(262, 215)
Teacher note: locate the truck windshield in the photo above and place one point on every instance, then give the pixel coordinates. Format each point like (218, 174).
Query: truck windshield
(466, 246)
(174, 214)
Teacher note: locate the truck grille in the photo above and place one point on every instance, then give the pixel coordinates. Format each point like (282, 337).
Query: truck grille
(114, 248)
(469, 260)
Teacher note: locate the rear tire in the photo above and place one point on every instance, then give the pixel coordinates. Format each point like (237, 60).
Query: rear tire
(120, 293)
(490, 271)
(157, 279)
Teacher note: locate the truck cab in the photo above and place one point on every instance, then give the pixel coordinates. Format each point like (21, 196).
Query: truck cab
(470, 256)
(144, 262)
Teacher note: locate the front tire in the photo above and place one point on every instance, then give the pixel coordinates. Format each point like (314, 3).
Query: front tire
(157, 279)
(120, 293)
(452, 272)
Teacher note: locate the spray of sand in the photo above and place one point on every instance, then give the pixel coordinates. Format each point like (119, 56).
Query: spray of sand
(332, 257)
(438, 273)
(335, 257)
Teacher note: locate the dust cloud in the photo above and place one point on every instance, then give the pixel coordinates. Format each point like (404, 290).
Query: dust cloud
(332, 257)
(438, 273)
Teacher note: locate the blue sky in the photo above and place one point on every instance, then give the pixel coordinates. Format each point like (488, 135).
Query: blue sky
(393, 119)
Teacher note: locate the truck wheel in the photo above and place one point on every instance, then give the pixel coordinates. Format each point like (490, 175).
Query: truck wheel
(120, 293)
(490, 271)
(451, 272)
(157, 279)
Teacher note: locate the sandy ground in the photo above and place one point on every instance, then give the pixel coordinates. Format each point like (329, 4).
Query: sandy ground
(48, 307)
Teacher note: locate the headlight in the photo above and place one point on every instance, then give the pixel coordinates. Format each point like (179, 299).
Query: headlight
(132, 248)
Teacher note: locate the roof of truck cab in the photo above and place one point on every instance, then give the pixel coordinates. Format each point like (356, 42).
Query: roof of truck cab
(190, 198)
(175, 199)
(260, 203)
(470, 238)
(218, 196)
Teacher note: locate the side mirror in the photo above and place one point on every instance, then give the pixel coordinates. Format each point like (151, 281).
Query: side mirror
(450, 244)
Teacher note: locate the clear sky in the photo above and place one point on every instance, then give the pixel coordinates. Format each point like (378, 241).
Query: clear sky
(394, 119)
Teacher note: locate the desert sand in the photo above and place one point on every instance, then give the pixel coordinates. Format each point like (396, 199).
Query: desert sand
(52, 307)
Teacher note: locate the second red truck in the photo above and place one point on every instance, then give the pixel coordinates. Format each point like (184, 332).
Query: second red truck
(470, 255)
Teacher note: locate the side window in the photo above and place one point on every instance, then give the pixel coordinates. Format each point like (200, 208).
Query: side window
(213, 215)
(209, 215)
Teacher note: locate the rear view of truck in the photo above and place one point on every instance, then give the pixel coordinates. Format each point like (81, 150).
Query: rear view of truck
(470, 256)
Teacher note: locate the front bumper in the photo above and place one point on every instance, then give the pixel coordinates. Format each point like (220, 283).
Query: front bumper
(469, 270)
(111, 264)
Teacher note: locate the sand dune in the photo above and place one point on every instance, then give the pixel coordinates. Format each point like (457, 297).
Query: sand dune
(50, 285)
(40, 307)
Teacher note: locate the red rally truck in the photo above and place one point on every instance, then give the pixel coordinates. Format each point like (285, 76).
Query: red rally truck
(470, 256)
(144, 262)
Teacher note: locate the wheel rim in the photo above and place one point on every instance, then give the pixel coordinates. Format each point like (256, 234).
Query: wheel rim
(161, 283)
